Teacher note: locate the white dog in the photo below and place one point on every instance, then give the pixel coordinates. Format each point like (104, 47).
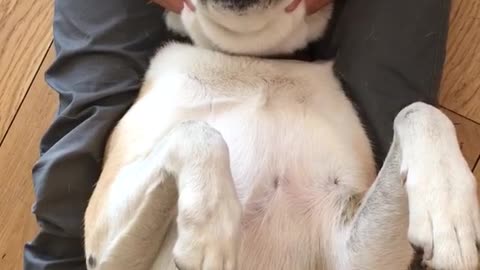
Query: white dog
(229, 161)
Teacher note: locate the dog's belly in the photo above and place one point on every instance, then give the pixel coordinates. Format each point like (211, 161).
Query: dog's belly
(293, 174)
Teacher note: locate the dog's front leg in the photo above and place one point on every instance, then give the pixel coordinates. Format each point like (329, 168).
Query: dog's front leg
(192, 161)
(444, 217)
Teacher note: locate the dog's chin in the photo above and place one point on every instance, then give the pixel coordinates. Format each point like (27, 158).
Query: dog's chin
(255, 32)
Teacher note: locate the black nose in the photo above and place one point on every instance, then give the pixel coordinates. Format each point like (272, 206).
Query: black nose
(240, 4)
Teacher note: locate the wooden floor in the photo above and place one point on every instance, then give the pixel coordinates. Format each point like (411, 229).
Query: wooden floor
(27, 105)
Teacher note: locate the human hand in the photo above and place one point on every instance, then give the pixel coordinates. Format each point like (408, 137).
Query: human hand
(312, 5)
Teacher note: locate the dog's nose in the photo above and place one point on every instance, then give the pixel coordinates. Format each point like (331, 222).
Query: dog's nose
(240, 4)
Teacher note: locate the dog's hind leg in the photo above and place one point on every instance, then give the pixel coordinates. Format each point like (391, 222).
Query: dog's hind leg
(188, 173)
(376, 238)
(441, 214)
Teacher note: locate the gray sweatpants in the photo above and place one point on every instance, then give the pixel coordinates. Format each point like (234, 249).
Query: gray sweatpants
(389, 54)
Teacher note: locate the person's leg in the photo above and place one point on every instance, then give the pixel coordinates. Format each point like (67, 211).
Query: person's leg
(389, 54)
(103, 49)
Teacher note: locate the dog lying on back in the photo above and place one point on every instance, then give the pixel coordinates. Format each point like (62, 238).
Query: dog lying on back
(229, 161)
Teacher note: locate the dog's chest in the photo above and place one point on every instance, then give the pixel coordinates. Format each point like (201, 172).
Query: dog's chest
(287, 124)
(283, 145)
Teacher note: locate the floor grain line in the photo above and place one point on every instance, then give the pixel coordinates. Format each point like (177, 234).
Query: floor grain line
(476, 164)
(459, 114)
(26, 94)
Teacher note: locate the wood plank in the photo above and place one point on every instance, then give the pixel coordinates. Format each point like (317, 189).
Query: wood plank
(460, 88)
(18, 154)
(26, 34)
(468, 133)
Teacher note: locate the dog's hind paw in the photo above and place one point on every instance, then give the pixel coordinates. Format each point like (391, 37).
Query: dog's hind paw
(444, 222)
(443, 204)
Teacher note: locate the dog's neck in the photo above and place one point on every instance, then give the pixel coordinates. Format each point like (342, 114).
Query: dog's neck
(254, 32)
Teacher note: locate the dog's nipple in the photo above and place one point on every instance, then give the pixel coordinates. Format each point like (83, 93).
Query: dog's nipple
(91, 261)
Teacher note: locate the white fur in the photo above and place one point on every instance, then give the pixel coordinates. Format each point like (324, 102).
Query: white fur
(263, 163)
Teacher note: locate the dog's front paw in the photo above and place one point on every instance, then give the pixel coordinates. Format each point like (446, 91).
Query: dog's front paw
(208, 237)
(444, 215)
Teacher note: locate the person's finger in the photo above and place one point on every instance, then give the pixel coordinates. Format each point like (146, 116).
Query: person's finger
(315, 5)
(171, 5)
(312, 6)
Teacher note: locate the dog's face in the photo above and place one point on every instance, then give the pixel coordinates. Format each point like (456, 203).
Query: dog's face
(250, 27)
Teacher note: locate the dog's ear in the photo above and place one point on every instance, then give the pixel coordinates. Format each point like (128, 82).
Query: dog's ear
(174, 23)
